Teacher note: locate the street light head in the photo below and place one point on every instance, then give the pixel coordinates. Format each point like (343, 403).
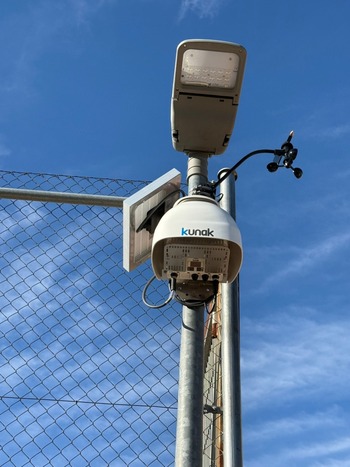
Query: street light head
(207, 85)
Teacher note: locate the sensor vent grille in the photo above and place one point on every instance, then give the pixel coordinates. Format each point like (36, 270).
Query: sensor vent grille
(196, 261)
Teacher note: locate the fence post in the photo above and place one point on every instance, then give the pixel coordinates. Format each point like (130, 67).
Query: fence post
(230, 326)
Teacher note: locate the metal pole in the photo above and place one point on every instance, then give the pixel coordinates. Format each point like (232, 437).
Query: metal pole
(61, 197)
(189, 432)
(231, 374)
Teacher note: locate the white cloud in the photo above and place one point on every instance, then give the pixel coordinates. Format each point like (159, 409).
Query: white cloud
(203, 8)
(333, 462)
(307, 258)
(84, 9)
(299, 423)
(343, 174)
(305, 453)
(4, 150)
(27, 35)
(329, 119)
(287, 358)
(295, 373)
(337, 131)
(329, 123)
(320, 126)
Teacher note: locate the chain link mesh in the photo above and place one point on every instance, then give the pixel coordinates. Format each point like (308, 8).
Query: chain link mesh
(88, 373)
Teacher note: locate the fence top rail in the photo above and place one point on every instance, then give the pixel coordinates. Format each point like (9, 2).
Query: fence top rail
(62, 197)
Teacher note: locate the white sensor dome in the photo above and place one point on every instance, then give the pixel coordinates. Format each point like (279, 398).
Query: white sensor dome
(197, 239)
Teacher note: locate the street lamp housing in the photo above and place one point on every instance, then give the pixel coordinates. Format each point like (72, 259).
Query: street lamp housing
(207, 85)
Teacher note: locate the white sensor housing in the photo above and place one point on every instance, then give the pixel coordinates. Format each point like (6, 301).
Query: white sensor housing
(197, 240)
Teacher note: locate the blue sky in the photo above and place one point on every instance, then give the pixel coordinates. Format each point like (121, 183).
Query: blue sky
(85, 89)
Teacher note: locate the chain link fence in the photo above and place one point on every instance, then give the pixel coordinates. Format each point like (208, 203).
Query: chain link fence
(88, 373)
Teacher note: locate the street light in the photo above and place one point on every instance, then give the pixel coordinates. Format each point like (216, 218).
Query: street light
(207, 85)
(206, 90)
(195, 244)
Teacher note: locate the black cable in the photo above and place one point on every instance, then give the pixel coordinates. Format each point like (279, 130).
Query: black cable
(189, 303)
(193, 303)
(240, 162)
(213, 306)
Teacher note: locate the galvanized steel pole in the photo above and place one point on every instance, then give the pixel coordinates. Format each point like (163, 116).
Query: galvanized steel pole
(189, 433)
(61, 197)
(231, 374)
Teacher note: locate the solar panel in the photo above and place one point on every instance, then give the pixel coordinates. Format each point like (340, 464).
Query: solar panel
(141, 212)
